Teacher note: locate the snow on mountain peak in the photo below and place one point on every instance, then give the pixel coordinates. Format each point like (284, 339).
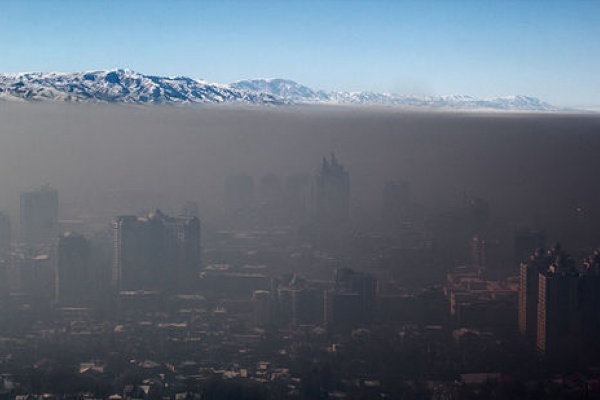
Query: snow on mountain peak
(123, 85)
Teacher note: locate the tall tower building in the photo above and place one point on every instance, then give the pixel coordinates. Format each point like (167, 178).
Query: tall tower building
(39, 215)
(332, 193)
(129, 252)
(74, 281)
(189, 255)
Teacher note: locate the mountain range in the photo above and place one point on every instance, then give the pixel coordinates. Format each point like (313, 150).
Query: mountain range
(125, 86)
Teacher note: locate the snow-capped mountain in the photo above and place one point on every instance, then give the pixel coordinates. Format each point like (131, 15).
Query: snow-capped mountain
(282, 88)
(296, 93)
(125, 86)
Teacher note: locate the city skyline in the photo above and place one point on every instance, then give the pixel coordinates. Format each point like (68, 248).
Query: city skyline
(499, 48)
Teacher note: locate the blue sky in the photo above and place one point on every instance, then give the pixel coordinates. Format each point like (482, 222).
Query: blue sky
(549, 49)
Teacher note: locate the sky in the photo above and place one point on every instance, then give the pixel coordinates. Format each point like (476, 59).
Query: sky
(548, 49)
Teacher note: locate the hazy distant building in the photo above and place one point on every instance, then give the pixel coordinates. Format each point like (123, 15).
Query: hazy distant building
(39, 215)
(157, 252)
(332, 193)
(74, 281)
(4, 235)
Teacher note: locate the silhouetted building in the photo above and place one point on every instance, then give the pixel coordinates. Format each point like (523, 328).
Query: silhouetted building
(559, 304)
(156, 253)
(74, 281)
(559, 309)
(39, 216)
(569, 308)
(332, 193)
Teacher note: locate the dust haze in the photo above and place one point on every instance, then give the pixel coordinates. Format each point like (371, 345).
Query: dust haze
(523, 165)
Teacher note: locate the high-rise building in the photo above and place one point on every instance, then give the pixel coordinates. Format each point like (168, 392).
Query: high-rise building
(568, 308)
(559, 303)
(559, 309)
(157, 252)
(39, 216)
(332, 193)
(74, 283)
(529, 291)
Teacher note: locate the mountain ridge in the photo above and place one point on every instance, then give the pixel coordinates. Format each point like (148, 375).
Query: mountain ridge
(127, 86)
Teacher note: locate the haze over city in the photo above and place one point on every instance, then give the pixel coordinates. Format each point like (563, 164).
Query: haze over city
(406, 209)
